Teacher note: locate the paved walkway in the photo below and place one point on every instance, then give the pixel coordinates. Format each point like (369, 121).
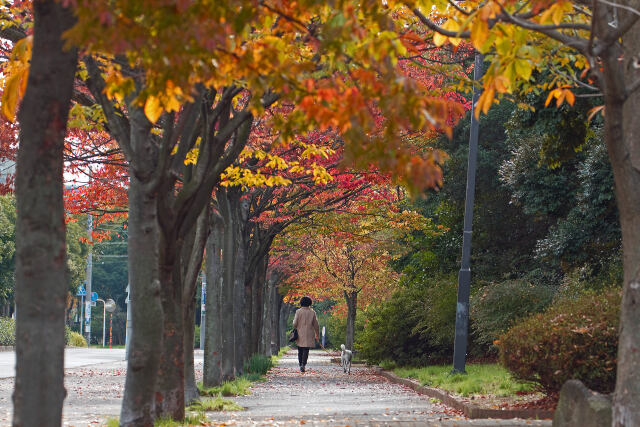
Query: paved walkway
(325, 396)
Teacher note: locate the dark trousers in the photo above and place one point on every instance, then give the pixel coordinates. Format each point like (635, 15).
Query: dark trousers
(303, 355)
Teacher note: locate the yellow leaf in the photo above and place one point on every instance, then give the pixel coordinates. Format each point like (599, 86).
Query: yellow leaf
(439, 39)
(502, 84)
(570, 97)
(557, 14)
(479, 32)
(490, 92)
(523, 68)
(560, 97)
(10, 97)
(153, 109)
(549, 98)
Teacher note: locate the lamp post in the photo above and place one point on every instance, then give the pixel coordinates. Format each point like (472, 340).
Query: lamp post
(464, 276)
(109, 306)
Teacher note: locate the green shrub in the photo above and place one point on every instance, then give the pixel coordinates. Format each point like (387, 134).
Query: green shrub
(258, 364)
(76, 340)
(415, 326)
(337, 330)
(572, 339)
(7, 331)
(498, 306)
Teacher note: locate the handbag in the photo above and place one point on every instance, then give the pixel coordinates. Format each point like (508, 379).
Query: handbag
(293, 335)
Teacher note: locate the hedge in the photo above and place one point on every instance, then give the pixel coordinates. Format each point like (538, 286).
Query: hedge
(573, 339)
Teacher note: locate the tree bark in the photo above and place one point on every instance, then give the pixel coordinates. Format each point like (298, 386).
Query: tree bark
(239, 212)
(622, 135)
(351, 298)
(274, 346)
(227, 301)
(212, 372)
(146, 307)
(169, 394)
(192, 255)
(41, 269)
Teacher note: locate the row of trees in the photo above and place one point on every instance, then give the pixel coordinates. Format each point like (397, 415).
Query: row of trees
(180, 120)
(183, 88)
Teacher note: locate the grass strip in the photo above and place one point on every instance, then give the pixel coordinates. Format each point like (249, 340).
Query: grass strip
(480, 379)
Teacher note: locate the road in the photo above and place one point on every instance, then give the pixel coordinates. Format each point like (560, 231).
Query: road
(73, 358)
(94, 379)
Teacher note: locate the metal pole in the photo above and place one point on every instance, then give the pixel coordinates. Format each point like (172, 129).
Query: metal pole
(110, 329)
(89, 275)
(104, 319)
(129, 329)
(203, 311)
(464, 277)
(81, 314)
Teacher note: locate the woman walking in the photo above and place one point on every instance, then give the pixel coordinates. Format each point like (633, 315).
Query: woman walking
(306, 322)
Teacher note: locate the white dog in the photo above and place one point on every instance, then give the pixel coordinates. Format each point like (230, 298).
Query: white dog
(346, 357)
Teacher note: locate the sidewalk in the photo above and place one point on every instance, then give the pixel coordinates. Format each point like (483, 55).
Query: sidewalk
(325, 396)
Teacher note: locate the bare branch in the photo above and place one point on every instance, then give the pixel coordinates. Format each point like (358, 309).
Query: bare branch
(435, 27)
(620, 6)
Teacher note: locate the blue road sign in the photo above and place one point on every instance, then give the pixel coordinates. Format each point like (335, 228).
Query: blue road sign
(94, 296)
(81, 291)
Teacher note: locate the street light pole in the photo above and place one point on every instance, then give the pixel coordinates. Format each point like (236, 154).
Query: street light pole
(87, 311)
(464, 276)
(203, 311)
(110, 306)
(104, 317)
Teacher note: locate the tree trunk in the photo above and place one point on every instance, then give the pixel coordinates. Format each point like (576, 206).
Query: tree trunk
(227, 301)
(274, 346)
(282, 322)
(146, 307)
(265, 324)
(351, 298)
(192, 255)
(212, 373)
(169, 395)
(270, 313)
(239, 212)
(622, 134)
(41, 269)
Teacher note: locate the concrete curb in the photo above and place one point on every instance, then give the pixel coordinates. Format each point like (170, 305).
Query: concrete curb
(469, 410)
(7, 348)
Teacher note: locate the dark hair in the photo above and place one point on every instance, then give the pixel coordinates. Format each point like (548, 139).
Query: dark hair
(305, 302)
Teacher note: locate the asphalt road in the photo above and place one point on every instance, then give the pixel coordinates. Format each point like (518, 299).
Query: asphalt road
(94, 380)
(73, 358)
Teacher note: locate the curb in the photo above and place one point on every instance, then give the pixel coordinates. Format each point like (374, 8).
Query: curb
(469, 410)
(7, 348)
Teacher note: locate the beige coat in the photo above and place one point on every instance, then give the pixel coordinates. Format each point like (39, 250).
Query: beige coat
(306, 322)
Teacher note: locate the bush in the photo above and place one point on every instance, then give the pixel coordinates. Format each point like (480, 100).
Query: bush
(414, 327)
(337, 330)
(572, 339)
(7, 331)
(498, 306)
(76, 340)
(196, 337)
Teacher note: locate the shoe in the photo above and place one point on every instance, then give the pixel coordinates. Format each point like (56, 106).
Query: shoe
(302, 368)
